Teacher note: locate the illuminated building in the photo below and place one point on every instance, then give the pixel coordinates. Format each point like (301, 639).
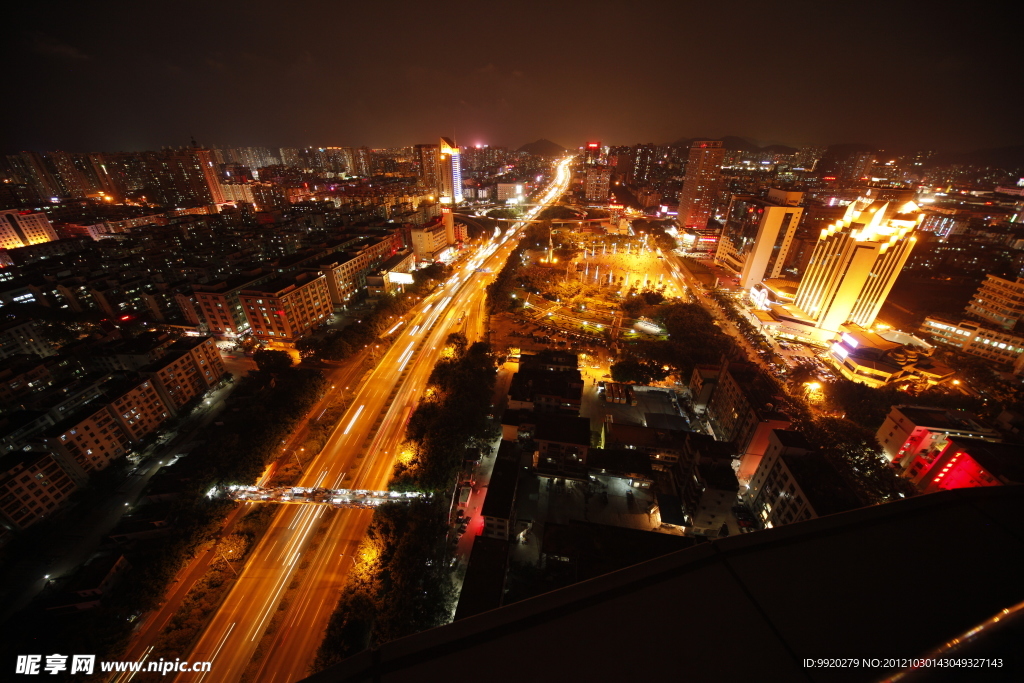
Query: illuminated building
(879, 359)
(431, 242)
(965, 463)
(516, 191)
(187, 370)
(996, 345)
(19, 335)
(999, 302)
(221, 307)
(598, 182)
(285, 310)
(757, 234)
(702, 183)
(208, 166)
(102, 431)
(361, 162)
(449, 172)
(743, 409)
(592, 154)
(32, 485)
(24, 228)
(794, 483)
(912, 431)
(855, 263)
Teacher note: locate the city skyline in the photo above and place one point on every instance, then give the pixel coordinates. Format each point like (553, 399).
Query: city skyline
(284, 80)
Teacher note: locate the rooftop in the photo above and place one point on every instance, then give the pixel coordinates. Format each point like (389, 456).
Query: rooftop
(942, 418)
(786, 594)
(563, 429)
(501, 491)
(825, 489)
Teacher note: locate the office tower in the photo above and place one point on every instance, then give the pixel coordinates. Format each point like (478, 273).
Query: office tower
(598, 183)
(998, 301)
(24, 228)
(592, 154)
(846, 164)
(855, 263)
(758, 233)
(701, 185)
(449, 172)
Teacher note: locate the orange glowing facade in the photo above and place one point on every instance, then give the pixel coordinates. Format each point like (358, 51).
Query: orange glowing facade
(24, 228)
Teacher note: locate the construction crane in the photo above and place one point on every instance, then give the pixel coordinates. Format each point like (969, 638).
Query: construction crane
(342, 498)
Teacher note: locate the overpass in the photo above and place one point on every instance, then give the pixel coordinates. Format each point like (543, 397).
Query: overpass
(308, 495)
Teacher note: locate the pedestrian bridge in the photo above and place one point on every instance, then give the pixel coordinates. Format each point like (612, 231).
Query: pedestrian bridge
(344, 498)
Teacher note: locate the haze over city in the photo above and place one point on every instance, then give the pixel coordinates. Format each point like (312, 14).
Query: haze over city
(139, 76)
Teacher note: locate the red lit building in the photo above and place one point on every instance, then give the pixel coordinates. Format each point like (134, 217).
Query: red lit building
(967, 463)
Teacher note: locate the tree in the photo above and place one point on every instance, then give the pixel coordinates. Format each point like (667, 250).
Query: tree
(272, 362)
(505, 212)
(558, 213)
(458, 342)
(308, 346)
(640, 372)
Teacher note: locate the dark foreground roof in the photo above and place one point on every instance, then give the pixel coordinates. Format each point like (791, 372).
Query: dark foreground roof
(750, 607)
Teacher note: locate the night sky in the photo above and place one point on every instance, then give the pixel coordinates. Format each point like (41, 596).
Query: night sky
(91, 76)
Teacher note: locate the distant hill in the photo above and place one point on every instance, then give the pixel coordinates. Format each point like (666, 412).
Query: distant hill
(1008, 158)
(732, 142)
(780, 149)
(543, 148)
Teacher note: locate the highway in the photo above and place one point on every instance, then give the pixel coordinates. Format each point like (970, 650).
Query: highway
(359, 454)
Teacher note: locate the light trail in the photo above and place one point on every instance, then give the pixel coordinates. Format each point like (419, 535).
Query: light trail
(354, 418)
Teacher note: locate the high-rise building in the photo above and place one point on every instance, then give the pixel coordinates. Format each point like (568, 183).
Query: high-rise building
(598, 183)
(846, 164)
(73, 182)
(426, 157)
(702, 183)
(592, 153)
(449, 172)
(209, 167)
(757, 234)
(999, 302)
(24, 228)
(855, 263)
(361, 162)
(39, 176)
